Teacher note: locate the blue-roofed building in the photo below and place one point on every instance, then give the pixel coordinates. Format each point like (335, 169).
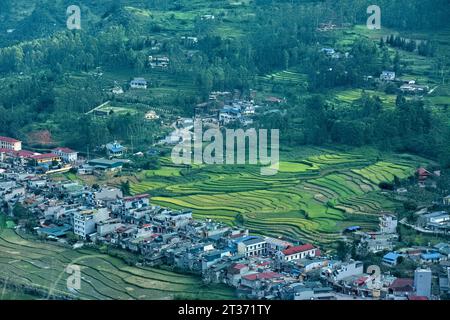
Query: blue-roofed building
(431, 257)
(391, 258)
(115, 149)
(352, 229)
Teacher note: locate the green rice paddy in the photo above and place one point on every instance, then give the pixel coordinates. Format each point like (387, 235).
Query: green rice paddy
(311, 198)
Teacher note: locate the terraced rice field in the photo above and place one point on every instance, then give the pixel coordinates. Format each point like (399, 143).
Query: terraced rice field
(312, 198)
(286, 77)
(43, 265)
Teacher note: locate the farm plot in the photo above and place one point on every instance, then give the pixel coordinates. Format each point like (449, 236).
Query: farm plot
(42, 265)
(310, 198)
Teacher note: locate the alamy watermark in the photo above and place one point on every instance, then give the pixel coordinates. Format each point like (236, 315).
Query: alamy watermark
(74, 280)
(374, 20)
(73, 17)
(191, 149)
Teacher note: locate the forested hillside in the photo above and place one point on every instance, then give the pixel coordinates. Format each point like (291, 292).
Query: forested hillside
(50, 77)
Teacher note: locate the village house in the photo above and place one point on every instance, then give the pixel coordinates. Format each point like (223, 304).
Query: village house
(401, 287)
(151, 115)
(189, 41)
(115, 150)
(117, 90)
(158, 62)
(432, 257)
(390, 259)
(414, 89)
(298, 252)
(446, 200)
(46, 159)
(101, 166)
(388, 223)
(66, 154)
(336, 272)
(10, 144)
(387, 76)
(252, 246)
(84, 222)
(138, 83)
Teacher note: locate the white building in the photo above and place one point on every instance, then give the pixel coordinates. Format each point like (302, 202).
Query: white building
(10, 144)
(84, 222)
(298, 252)
(387, 76)
(68, 155)
(138, 83)
(252, 246)
(341, 271)
(388, 223)
(422, 282)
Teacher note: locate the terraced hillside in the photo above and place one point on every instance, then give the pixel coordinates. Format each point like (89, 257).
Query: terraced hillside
(42, 265)
(311, 198)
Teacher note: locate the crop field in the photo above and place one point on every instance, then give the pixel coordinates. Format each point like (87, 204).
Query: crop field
(43, 265)
(286, 77)
(310, 198)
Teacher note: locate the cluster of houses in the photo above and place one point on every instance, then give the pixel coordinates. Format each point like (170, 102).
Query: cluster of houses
(407, 86)
(237, 110)
(58, 160)
(258, 267)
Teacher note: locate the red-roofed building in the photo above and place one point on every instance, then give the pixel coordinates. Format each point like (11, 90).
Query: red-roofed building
(402, 287)
(254, 280)
(68, 155)
(10, 144)
(299, 252)
(423, 173)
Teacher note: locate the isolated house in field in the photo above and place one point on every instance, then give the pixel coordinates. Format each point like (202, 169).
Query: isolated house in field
(329, 51)
(387, 76)
(414, 89)
(208, 17)
(138, 83)
(117, 90)
(189, 41)
(159, 62)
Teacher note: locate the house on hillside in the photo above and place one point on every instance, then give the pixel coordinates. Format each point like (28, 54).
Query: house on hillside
(446, 200)
(158, 62)
(138, 83)
(115, 150)
(387, 76)
(414, 89)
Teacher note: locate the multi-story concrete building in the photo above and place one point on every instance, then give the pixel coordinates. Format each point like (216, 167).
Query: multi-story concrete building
(252, 246)
(10, 144)
(422, 282)
(84, 222)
